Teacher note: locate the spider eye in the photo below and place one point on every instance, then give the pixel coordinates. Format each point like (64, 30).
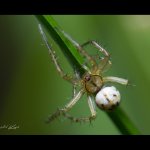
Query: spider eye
(87, 77)
(108, 98)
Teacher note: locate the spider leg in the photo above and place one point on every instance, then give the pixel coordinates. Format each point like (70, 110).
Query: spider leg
(67, 107)
(84, 119)
(54, 58)
(77, 81)
(74, 90)
(97, 46)
(105, 62)
(77, 77)
(77, 74)
(92, 108)
(81, 50)
(115, 79)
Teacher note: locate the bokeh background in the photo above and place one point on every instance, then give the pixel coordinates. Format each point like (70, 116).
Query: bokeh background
(31, 89)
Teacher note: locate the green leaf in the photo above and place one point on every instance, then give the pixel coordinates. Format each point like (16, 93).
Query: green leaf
(118, 116)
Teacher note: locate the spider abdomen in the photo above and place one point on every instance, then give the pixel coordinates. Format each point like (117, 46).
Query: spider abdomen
(108, 98)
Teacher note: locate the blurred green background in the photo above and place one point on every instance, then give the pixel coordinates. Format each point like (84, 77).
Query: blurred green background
(31, 89)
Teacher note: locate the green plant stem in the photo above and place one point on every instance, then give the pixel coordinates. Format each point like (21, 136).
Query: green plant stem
(118, 116)
(122, 121)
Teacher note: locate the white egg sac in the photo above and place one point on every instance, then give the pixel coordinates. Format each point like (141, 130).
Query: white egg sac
(107, 98)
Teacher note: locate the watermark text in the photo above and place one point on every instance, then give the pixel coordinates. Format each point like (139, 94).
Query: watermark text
(9, 127)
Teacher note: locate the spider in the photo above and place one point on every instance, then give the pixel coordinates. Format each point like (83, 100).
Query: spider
(92, 82)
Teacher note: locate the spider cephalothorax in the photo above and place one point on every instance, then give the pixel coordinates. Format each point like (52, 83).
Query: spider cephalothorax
(93, 83)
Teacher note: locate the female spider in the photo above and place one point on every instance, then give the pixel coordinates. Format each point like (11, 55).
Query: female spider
(91, 82)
